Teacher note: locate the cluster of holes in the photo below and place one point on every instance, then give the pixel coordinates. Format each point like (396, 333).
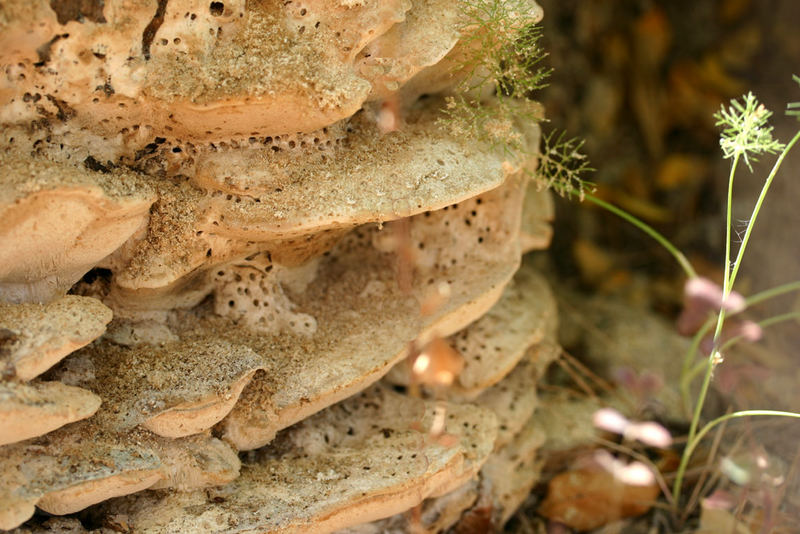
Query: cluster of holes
(474, 230)
(43, 144)
(321, 140)
(303, 22)
(186, 151)
(247, 200)
(473, 350)
(216, 10)
(250, 293)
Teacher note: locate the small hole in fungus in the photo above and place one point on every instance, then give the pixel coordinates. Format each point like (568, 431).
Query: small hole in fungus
(216, 8)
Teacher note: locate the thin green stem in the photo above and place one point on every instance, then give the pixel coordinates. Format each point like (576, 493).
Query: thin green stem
(727, 285)
(692, 444)
(759, 202)
(689, 372)
(698, 368)
(649, 230)
(726, 290)
(767, 294)
(731, 270)
(782, 318)
(686, 369)
(715, 356)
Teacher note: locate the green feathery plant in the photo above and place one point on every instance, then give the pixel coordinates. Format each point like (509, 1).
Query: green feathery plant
(499, 68)
(746, 135)
(561, 165)
(499, 56)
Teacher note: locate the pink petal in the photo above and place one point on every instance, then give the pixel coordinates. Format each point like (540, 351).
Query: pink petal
(610, 420)
(649, 433)
(704, 290)
(634, 473)
(637, 474)
(701, 297)
(749, 331)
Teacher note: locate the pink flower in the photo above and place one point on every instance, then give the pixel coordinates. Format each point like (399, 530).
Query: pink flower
(734, 328)
(647, 432)
(702, 297)
(634, 474)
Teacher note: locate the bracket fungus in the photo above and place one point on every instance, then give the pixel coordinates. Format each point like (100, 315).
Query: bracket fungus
(84, 463)
(174, 390)
(356, 461)
(493, 344)
(59, 220)
(37, 336)
(508, 473)
(211, 242)
(30, 410)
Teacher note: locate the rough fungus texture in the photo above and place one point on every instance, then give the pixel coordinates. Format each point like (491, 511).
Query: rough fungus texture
(211, 242)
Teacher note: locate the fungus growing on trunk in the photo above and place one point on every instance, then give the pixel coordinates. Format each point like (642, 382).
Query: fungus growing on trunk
(192, 209)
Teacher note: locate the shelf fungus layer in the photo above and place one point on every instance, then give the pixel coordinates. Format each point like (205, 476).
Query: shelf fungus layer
(365, 318)
(34, 337)
(58, 220)
(228, 230)
(366, 458)
(505, 478)
(157, 65)
(84, 463)
(493, 345)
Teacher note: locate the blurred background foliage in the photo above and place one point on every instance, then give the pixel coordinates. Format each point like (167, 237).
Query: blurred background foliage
(639, 81)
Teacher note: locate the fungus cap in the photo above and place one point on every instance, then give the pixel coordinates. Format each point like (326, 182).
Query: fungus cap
(34, 337)
(58, 220)
(372, 465)
(286, 67)
(365, 320)
(85, 463)
(174, 390)
(493, 344)
(31, 410)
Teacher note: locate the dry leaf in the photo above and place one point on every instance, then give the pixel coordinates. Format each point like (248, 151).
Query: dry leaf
(587, 498)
